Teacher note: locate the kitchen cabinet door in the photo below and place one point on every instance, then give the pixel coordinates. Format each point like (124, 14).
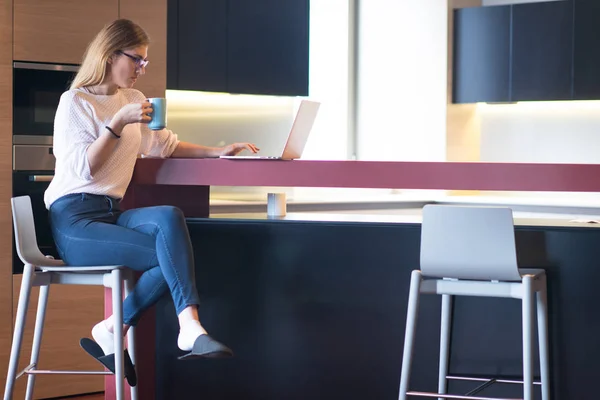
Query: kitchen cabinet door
(481, 67)
(542, 51)
(267, 47)
(201, 54)
(58, 31)
(586, 76)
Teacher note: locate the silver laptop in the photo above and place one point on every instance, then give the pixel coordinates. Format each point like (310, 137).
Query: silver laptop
(296, 140)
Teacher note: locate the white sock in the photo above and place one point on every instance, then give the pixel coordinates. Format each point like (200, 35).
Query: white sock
(188, 333)
(104, 337)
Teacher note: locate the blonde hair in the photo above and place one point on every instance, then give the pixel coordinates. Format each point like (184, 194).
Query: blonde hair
(119, 35)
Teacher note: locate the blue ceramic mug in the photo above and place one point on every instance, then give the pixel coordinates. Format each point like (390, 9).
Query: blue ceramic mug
(158, 114)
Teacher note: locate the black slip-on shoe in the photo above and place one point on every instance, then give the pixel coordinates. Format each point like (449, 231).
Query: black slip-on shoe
(207, 347)
(94, 350)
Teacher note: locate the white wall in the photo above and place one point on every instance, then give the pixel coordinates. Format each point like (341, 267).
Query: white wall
(402, 73)
(552, 132)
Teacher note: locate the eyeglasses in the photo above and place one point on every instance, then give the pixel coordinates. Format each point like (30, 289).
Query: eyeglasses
(139, 62)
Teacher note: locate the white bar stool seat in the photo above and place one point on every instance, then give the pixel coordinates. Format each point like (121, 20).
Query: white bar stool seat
(45, 271)
(470, 251)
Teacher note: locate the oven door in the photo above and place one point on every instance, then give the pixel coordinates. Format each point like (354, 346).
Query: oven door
(36, 93)
(33, 169)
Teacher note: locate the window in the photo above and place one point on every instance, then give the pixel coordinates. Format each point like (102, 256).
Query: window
(329, 79)
(402, 80)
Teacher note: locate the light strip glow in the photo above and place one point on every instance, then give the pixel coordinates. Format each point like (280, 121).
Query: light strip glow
(542, 105)
(226, 99)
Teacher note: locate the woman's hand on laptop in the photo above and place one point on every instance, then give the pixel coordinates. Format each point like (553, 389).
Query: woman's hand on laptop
(235, 148)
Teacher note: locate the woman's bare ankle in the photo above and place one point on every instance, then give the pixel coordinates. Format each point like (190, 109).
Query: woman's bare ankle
(110, 325)
(188, 314)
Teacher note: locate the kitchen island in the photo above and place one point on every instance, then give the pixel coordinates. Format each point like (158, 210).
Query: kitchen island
(314, 306)
(187, 182)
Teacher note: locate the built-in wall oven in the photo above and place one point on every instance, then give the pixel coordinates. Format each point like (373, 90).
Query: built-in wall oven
(37, 88)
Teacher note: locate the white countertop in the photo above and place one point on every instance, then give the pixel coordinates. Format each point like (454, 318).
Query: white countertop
(587, 206)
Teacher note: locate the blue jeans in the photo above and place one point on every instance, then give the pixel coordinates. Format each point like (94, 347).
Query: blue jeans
(92, 230)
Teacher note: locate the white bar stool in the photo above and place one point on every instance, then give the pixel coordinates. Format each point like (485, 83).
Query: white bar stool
(470, 251)
(43, 271)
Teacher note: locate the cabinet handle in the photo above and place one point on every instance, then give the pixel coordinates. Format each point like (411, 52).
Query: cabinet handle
(41, 178)
(46, 67)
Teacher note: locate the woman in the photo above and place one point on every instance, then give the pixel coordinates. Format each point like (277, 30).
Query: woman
(100, 128)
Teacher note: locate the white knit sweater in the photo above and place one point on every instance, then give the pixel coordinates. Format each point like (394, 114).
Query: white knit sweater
(80, 119)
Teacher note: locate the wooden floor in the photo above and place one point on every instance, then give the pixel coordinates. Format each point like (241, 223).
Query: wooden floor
(97, 396)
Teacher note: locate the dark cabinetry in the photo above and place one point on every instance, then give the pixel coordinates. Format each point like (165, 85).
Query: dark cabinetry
(268, 46)
(523, 52)
(482, 54)
(202, 45)
(586, 75)
(239, 46)
(542, 51)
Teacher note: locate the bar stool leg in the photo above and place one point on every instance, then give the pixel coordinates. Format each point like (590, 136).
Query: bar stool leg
(528, 294)
(446, 328)
(542, 317)
(129, 284)
(37, 338)
(117, 304)
(411, 327)
(15, 350)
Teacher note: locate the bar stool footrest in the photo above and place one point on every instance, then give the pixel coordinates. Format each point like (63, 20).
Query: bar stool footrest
(31, 370)
(484, 379)
(66, 372)
(455, 396)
